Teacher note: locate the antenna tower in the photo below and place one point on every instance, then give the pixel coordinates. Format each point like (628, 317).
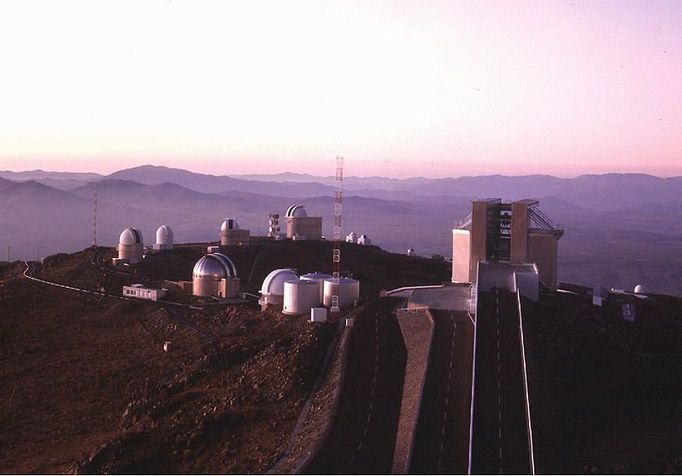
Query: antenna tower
(94, 220)
(336, 252)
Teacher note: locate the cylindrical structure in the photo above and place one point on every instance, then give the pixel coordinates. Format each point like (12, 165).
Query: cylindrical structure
(231, 234)
(348, 292)
(411, 252)
(130, 245)
(164, 238)
(272, 290)
(300, 225)
(300, 296)
(215, 275)
(319, 278)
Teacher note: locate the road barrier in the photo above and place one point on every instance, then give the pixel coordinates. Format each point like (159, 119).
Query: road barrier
(525, 388)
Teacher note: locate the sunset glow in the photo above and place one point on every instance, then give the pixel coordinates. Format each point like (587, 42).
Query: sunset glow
(399, 88)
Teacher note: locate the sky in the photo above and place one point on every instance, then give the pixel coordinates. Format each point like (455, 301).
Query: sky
(398, 88)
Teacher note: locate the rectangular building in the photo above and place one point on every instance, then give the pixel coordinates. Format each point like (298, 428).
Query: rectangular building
(505, 232)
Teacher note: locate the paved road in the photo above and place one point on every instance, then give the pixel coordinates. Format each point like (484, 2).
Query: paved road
(442, 438)
(500, 435)
(362, 438)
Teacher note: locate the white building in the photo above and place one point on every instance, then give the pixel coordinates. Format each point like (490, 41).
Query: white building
(301, 226)
(164, 238)
(140, 292)
(364, 240)
(130, 246)
(231, 234)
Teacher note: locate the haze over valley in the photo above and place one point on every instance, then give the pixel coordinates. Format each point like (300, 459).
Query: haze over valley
(621, 229)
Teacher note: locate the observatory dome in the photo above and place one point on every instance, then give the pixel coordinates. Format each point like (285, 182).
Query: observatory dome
(640, 289)
(296, 211)
(274, 282)
(214, 265)
(229, 224)
(130, 236)
(164, 235)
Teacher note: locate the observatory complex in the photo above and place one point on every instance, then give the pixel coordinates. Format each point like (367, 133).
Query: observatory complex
(231, 234)
(283, 290)
(502, 232)
(302, 227)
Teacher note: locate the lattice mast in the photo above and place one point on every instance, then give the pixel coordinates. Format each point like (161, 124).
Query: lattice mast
(336, 251)
(94, 219)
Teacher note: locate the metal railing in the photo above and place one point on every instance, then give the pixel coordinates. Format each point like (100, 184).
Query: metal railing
(543, 221)
(463, 223)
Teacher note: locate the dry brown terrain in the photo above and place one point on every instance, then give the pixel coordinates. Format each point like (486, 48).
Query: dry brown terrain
(85, 385)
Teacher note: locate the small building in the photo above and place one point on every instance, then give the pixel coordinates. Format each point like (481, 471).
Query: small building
(351, 237)
(411, 252)
(364, 240)
(130, 246)
(272, 290)
(164, 238)
(215, 275)
(231, 234)
(318, 314)
(299, 224)
(140, 292)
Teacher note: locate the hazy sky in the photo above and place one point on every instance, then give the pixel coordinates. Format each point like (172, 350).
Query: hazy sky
(399, 88)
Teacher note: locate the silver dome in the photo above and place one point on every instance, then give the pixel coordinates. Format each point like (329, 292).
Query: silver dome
(214, 265)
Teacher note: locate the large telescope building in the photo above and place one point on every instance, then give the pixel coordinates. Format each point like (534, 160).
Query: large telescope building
(512, 232)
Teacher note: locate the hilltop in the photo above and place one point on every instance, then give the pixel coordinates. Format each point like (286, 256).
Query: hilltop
(88, 388)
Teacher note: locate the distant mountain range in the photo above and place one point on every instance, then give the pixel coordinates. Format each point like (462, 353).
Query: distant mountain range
(621, 229)
(597, 192)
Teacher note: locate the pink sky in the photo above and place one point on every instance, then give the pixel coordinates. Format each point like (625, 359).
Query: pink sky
(398, 88)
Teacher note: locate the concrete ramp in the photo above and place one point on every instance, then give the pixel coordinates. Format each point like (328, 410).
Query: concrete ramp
(417, 327)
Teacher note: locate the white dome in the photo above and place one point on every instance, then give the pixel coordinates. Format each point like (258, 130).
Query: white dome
(214, 265)
(229, 224)
(164, 235)
(274, 282)
(640, 289)
(130, 236)
(296, 211)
